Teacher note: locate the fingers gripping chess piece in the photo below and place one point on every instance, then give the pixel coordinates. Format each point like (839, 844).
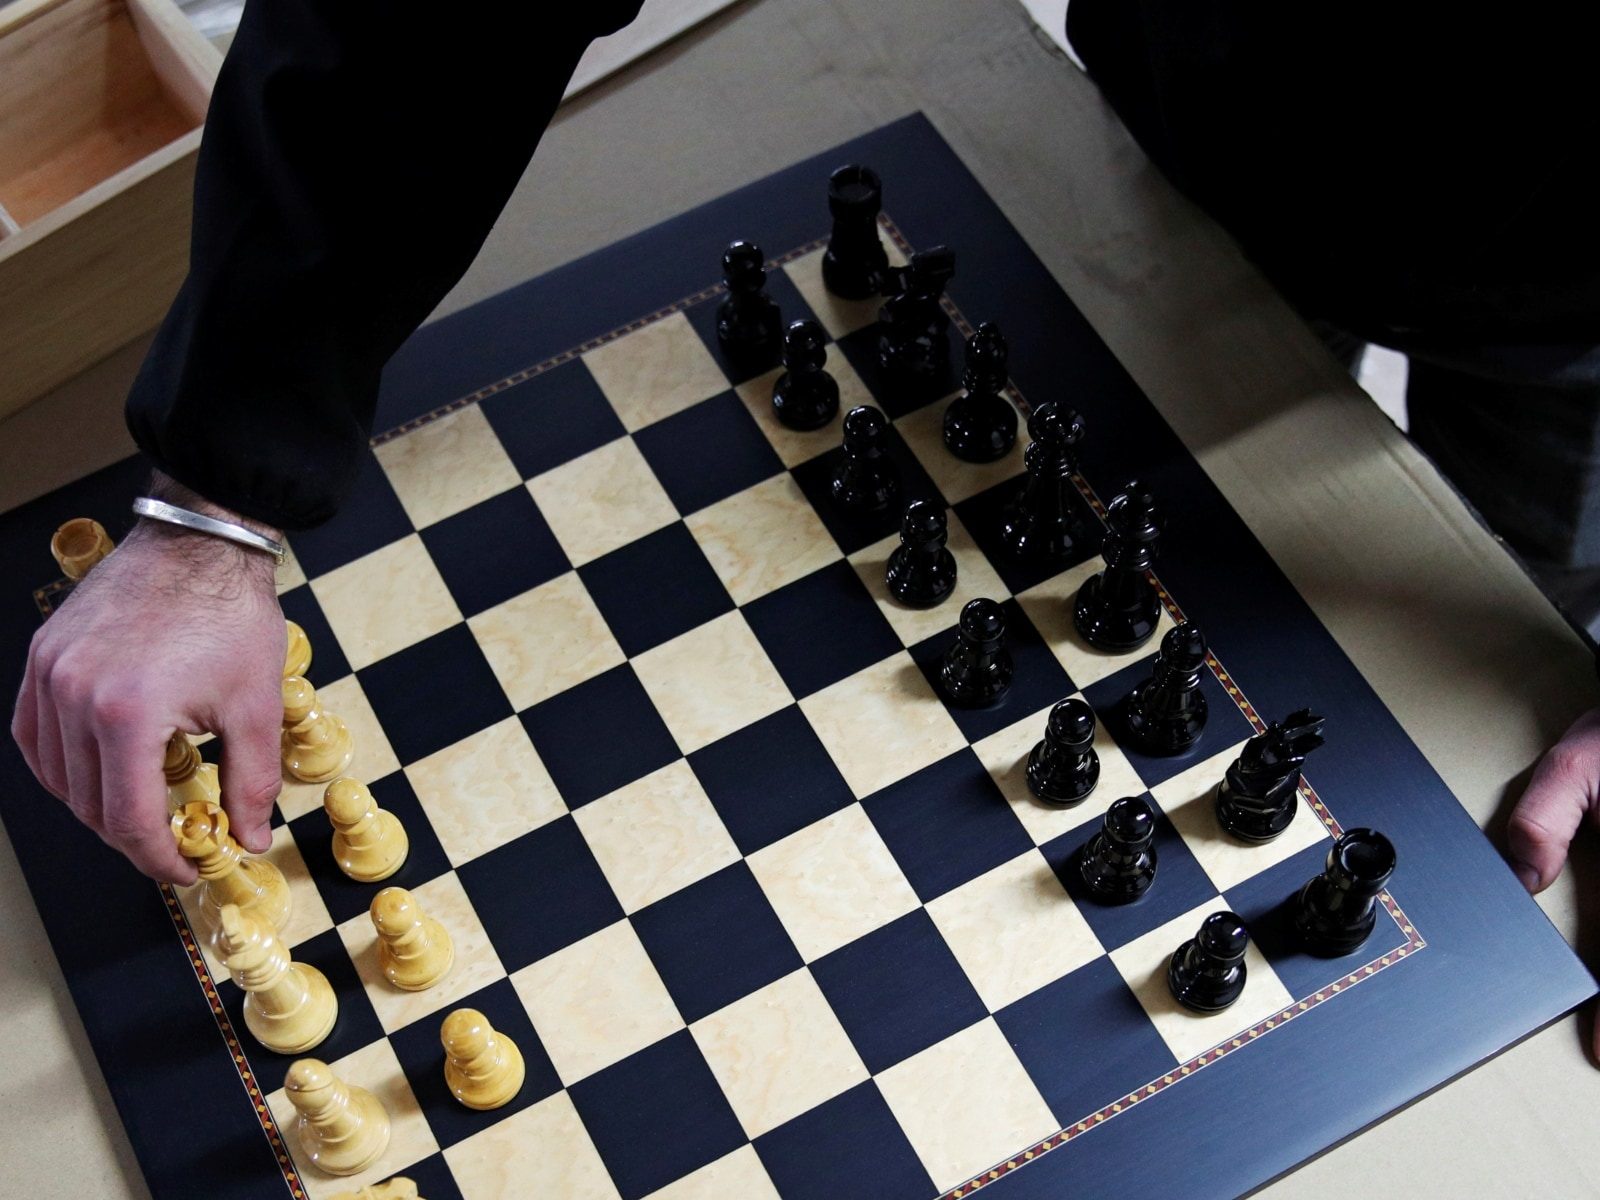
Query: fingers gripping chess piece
(1207, 973)
(1118, 609)
(342, 1128)
(980, 425)
(369, 843)
(226, 875)
(316, 745)
(1336, 911)
(749, 330)
(189, 779)
(1256, 799)
(1063, 767)
(297, 651)
(483, 1069)
(805, 396)
(414, 950)
(977, 668)
(854, 265)
(289, 1006)
(398, 1188)
(79, 545)
(1118, 864)
(866, 478)
(921, 571)
(1042, 524)
(1167, 712)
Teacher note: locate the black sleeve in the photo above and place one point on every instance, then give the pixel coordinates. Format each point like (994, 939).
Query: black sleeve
(355, 156)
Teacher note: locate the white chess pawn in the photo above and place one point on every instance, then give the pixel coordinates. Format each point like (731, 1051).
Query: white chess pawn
(483, 1069)
(227, 876)
(342, 1128)
(369, 843)
(289, 1006)
(316, 745)
(297, 653)
(398, 1188)
(414, 950)
(189, 778)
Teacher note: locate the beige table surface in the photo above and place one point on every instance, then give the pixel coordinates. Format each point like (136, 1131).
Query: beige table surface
(1476, 666)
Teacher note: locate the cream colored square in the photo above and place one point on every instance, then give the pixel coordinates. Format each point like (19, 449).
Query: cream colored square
(1189, 801)
(374, 757)
(1049, 607)
(290, 574)
(385, 601)
(882, 723)
(966, 1103)
(656, 835)
(655, 371)
(711, 681)
(1005, 756)
(778, 1052)
(544, 1150)
(546, 640)
(832, 882)
(736, 1176)
(485, 790)
(602, 500)
(475, 966)
(1143, 965)
(762, 538)
(1014, 929)
(956, 479)
(837, 315)
(375, 1068)
(596, 1002)
(795, 446)
(446, 466)
(974, 578)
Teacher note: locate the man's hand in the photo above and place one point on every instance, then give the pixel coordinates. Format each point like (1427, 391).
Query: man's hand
(1565, 789)
(172, 631)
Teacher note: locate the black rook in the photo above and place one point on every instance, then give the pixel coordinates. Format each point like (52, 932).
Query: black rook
(1336, 911)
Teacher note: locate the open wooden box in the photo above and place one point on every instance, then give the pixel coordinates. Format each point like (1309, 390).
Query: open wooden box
(101, 103)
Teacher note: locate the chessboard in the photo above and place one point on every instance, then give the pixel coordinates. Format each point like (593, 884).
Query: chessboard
(765, 915)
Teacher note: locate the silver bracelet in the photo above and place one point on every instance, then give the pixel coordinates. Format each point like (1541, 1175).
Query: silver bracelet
(160, 510)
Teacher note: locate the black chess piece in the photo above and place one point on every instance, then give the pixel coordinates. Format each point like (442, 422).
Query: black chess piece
(1256, 798)
(1167, 712)
(1336, 911)
(1042, 523)
(921, 571)
(914, 338)
(805, 395)
(749, 329)
(976, 669)
(866, 478)
(980, 425)
(1118, 609)
(855, 263)
(1118, 864)
(1063, 767)
(1207, 972)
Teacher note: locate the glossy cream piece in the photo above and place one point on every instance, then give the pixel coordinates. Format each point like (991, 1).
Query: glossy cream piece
(316, 745)
(297, 650)
(79, 545)
(398, 1188)
(482, 1068)
(189, 779)
(227, 876)
(374, 757)
(369, 843)
(342, 1128)
(414, 950)
(289, 1007)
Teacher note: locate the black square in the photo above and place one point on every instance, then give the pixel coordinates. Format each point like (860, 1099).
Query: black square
(861, 350)
(421, 1055)
(494, 551)
(898, 990)
(433, 1178)
(599, 735)
(791, 307)
(356, 1026)
(860, 529)
(821, 629)
(708, 452)
(552, 418)
(346, 897)
(770, 779)
(433, 694)
(539, 893)
(369, 518)
(716, 941)
(657, 1115)
(655, 588)
(984, 516)
(850, 1148)
(946, 824)
(328, 662)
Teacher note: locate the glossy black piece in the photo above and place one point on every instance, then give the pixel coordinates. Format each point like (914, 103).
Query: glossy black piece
(805, 395)
(976, 670)
(1043, 523)
(921, 571)
(1336, 911)
(980, 425)
(1208, 972)
(1118, 609)
(1167, 712)
(749, 328)
(1256, 798)
(1063, 767)
(866, 478)
(855, 264)
(914, 337)
(1118, 864)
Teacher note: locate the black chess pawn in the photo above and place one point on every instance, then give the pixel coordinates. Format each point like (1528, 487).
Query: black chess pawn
(980, 425)
(805, 395)
(855, 264)
(1042, 523)
(921, 571)
(1118, 864)
(866, 478)
(1167, 712)
(1336, 911)
(914, 342)
(749, 329)
(1118, 609)
(1207, 972)
(1063, 767)
(1256, 799)
(976, 669)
